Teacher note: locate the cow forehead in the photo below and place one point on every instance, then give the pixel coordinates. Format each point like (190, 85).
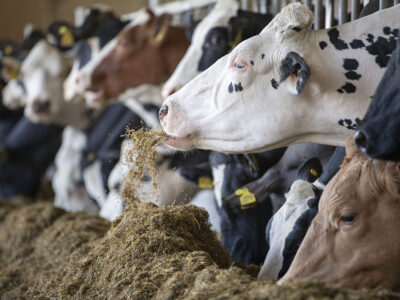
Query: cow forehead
(45, 57)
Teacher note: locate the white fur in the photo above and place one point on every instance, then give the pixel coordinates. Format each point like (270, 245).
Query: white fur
(282, 224)
(203, 114)
(13, 95)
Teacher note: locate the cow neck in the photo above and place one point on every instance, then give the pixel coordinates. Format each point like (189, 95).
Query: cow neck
(328, 75)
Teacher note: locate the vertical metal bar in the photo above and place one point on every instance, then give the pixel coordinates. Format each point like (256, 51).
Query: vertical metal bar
(307, 3)
(383, 4)
(328, 13)
(275, 7)
(264, 6)
(342, 11)
(395, 2)
(244, 5)
(318, 14)
(355, 9)
(153, 4)
(283, 3)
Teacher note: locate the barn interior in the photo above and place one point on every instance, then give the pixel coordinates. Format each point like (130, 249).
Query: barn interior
(199, 149)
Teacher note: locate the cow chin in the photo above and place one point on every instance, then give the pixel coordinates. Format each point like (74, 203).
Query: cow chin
(183, 144)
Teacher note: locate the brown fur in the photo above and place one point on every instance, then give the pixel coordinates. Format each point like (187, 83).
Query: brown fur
(139, 57)
(366, 252)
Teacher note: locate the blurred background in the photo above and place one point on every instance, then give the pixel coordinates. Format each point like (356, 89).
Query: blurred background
(14, 14)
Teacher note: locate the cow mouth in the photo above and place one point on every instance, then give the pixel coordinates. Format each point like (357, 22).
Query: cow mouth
(179, 143)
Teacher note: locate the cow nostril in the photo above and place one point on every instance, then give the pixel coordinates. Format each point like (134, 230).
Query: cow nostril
(163, 112)
(361, 140)
(41, 106)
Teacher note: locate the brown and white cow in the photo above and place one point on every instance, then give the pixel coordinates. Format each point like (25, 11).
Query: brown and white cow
(353, 240)
(147, 53)
(288, 85)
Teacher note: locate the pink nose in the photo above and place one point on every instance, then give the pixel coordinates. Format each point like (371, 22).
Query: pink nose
(163, 112)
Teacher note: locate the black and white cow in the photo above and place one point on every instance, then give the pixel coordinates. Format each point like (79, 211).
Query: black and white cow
(379, 134)
(286, 229)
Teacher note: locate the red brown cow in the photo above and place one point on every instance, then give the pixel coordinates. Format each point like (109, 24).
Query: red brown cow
(147, 53)
(353, 241)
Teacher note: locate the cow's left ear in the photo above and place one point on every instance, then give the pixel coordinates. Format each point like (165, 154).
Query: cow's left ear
(161, 28)
(294, 69)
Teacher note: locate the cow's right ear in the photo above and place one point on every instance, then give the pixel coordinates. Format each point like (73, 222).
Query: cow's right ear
(295, 71)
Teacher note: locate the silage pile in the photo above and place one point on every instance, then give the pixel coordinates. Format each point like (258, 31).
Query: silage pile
(149, 252)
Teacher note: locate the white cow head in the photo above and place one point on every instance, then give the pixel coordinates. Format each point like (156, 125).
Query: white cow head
(14, 94)
(287, 85)
(188, 67)
(43, 74)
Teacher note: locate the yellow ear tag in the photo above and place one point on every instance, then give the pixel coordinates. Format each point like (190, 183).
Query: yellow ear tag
(246, 198)
(13, 74)
(161, 33)
(205, 182)
(313, 172)
(67, 39)
(237, 39)
(8, 50)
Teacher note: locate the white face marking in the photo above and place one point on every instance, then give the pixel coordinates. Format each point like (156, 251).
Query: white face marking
(218, 180)
(188, 66)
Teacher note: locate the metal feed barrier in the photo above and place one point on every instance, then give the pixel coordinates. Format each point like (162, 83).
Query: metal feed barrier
(326, 12)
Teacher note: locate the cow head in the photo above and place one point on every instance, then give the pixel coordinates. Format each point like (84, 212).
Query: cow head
(379, 134)
(147, 53)
(226, 95)
(352, 240)
(14, 94)
(209, 43)
(42, 73)
(276, 89)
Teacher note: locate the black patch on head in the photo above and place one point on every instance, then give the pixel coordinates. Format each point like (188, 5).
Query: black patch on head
(294, 64)
(274, 83)
(350, 64)
(322, 45)
(349, 124)
(357, 44)
(238, 87)
(349, 88)
(252, 62)
(215, 45)
(382, 48)
(298, 29)
(341, 122)
(230, 88)
(262, 56)
(386, 30)
(351, 75)
(349, 127)
(370, 37)
(338, 43)
(340, 91)
(348, 121)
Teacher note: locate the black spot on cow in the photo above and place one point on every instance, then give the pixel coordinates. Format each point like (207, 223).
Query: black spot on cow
(230, 88)
(252, 62)
(350, 127)
(238, 87)
(350, 124)
(322, 45)
(349, 88)
(348, 121)
(382, 48)
(351, 75)
(298, 29)
(274, 83)
(386, 30)
(262, 56)
(340, 91)
(338, 43)
(341, 122)
(357, 44)
(350, 64)
(370, 37)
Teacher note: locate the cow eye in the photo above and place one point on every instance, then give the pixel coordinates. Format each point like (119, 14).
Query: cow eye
(215, 40)
(347, 219)
(239, 65)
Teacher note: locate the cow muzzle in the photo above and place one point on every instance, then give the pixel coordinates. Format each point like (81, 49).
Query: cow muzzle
(41, 106)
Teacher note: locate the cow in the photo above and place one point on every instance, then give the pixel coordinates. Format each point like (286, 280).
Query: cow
(288, 226)
(155, 43)
(350, 242)
(379, 132)
(286, 79)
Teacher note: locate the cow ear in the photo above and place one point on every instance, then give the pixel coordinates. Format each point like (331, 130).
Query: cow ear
(161, 29)
(294, 69)
(292, 19)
